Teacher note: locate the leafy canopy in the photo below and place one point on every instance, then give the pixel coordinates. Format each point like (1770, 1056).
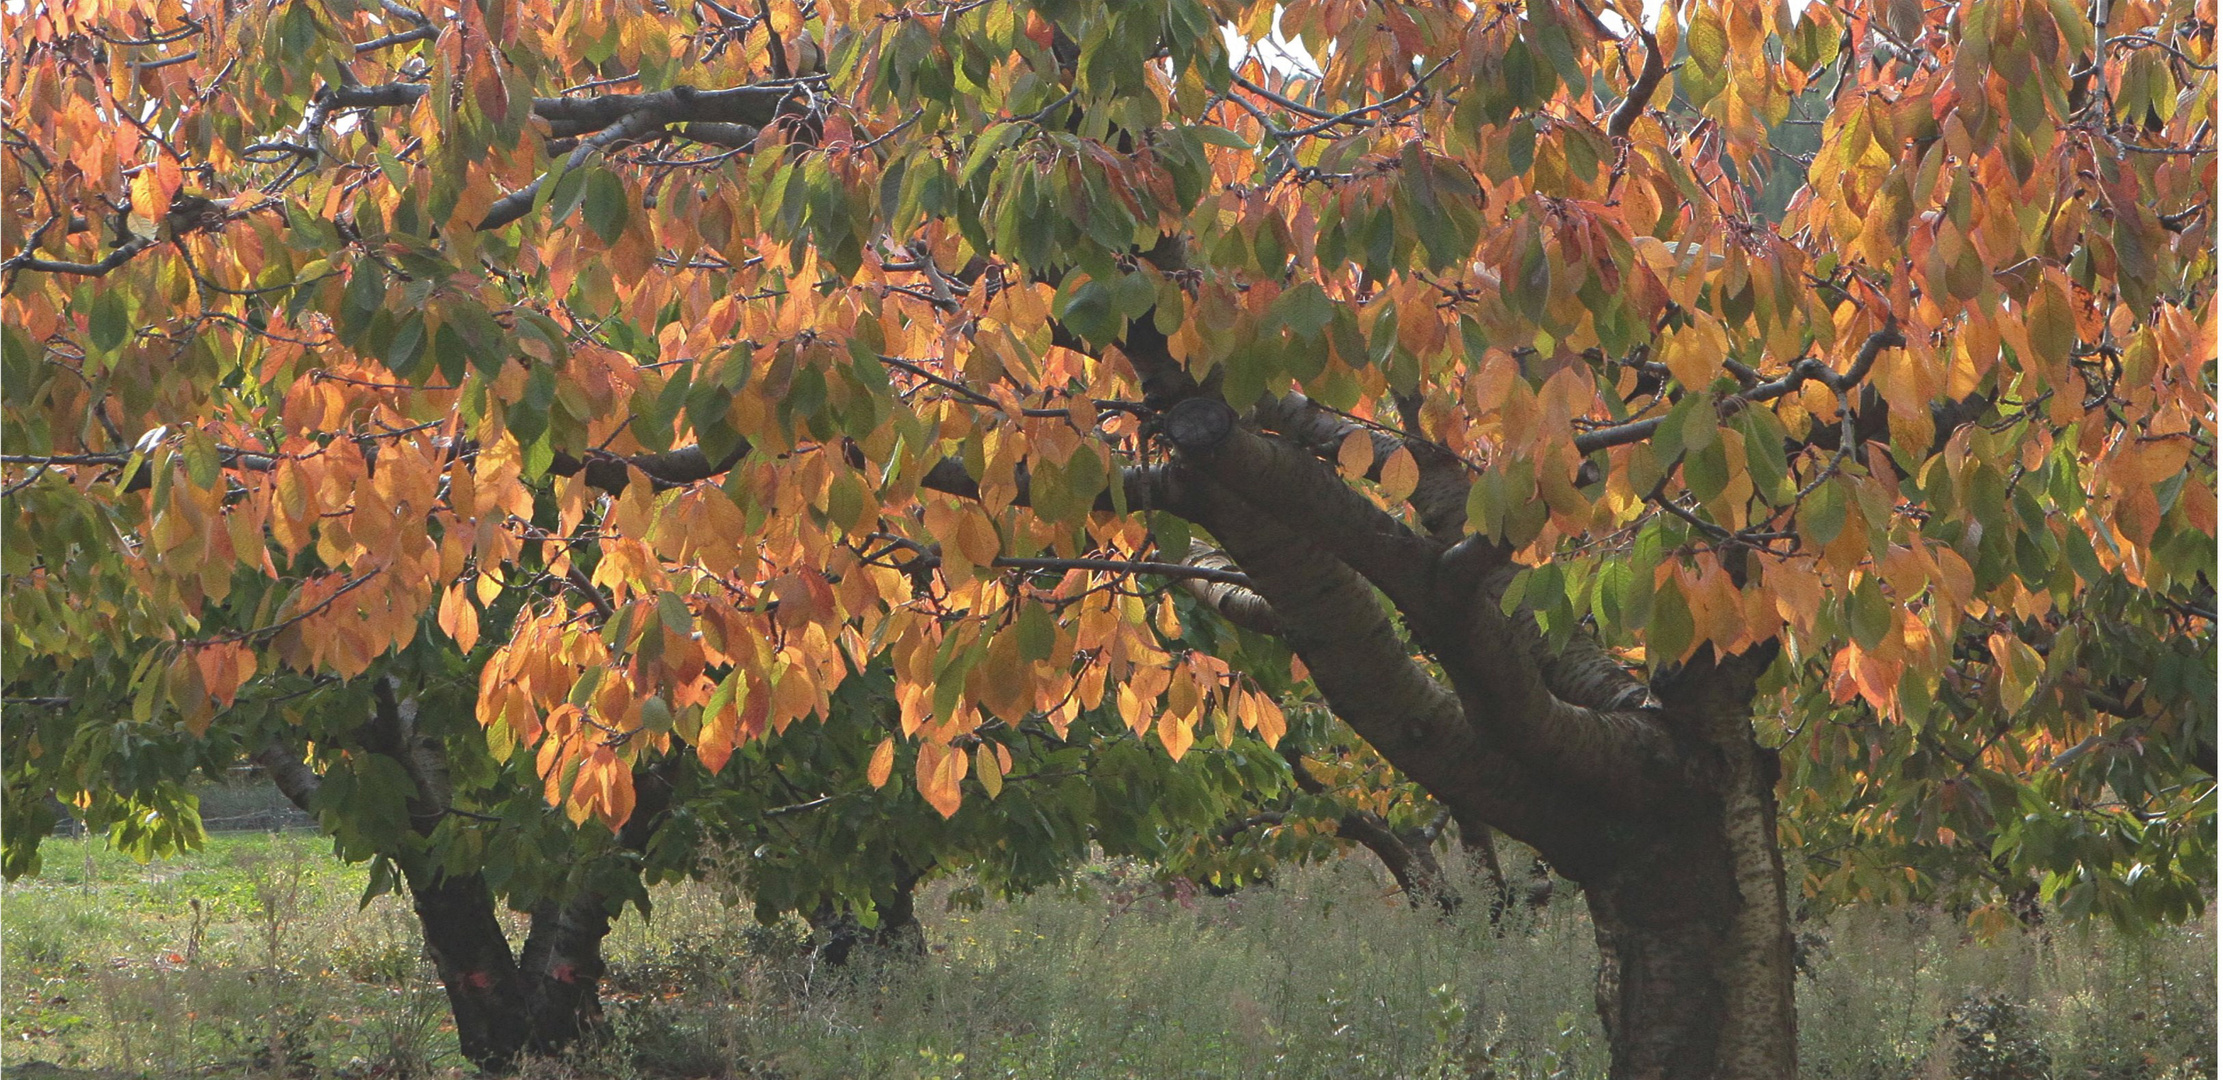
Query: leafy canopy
(735, 348)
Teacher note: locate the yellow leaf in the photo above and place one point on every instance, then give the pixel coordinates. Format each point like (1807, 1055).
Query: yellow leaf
(1176, 734)
(1400, 475)
(883, 762)
(991, 771)
(1355, 456)
(458, 619)
(1690, 356)
(976, 538)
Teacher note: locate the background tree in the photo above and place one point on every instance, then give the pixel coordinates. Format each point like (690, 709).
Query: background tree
(397, 773)
(1450, 349)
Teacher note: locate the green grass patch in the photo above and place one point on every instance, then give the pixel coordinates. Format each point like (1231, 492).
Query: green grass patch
(252, 958)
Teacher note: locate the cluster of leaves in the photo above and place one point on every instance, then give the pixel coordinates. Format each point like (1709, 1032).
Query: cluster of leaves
(345, 327)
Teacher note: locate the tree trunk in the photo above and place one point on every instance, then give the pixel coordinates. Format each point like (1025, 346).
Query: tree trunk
(562, 968)
(469, 951)
(898, 927)
(1694, 935)
(504, 1005)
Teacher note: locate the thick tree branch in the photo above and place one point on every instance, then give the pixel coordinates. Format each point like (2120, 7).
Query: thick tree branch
(1640, 91)
(1367, 674)
(1441, 497)
(122, 254)
(1502, 669)
(1300, 491)
(294, 778)
(1237, 603)
(1808, 369)
(729, 117)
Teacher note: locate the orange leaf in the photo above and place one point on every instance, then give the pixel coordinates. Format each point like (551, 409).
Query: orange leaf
(1400, 475)
(1355, 456)
(976, 537)
(935, 783)
(883, 762)
(1175, 733)
(458, 619)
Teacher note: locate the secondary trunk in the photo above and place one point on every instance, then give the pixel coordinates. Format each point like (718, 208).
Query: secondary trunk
(504, 1005)
(562, 968)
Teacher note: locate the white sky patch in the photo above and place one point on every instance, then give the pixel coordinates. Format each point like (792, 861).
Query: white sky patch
(1286, 56)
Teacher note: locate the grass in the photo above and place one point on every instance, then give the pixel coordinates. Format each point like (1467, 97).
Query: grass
(251, 958)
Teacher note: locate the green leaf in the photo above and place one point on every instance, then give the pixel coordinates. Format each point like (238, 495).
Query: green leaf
(1305, 310)
(1037, 633)
(1704, 75)
(1822, 516)
(1088, 312)
(1671, 627)
(985, 148)
(1172, 535)
(110, 320)
(1869, 613)
(606, 205)
(566, 193)
(1812, 44)
(1707, 471)
(1219, 136)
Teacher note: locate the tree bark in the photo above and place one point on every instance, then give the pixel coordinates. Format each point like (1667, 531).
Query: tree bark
(505, 1004)
(1694, 942)
(561, 967)
(898, 928)
(1656, 800)
(471, 954)
(455, 914)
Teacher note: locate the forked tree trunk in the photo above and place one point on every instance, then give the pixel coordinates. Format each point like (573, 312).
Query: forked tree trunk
(1655, 799)
(504, 1004)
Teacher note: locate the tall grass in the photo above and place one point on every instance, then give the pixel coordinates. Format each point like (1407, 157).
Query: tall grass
(1325, 974)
